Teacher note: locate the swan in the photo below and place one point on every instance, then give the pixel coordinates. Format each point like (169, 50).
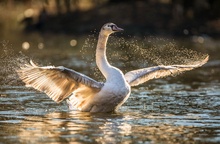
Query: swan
(86, 94)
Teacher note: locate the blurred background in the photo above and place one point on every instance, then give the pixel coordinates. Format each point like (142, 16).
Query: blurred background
(61, 32)
(139, 17)
(169, 18)
(46, 28)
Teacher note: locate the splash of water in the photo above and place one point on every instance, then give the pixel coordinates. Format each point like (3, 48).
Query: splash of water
(165, 52)
(134, 53)
(9, 63)
(88, 55)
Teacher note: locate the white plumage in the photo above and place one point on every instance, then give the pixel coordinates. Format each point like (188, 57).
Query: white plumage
(85, 93)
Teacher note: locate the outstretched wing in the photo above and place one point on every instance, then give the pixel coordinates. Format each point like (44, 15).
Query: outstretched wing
(140, 76)
(57, 82)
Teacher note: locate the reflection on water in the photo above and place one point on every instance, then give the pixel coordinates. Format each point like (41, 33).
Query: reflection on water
(124, 127)
(171, 113)
(182, 109)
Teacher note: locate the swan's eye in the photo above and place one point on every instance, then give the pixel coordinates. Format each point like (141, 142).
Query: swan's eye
(112, 27)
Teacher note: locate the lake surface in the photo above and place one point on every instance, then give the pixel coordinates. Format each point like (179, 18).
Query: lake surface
(180, 109)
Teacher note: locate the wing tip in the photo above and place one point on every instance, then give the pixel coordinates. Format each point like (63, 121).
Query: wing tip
(204, 61)
(33, 64)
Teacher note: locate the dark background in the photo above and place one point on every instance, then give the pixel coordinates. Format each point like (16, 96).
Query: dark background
(138, 17)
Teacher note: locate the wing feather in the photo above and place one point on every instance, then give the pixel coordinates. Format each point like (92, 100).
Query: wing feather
(140, 76)
(57, 82)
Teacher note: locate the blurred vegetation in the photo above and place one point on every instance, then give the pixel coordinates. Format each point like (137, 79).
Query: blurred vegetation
(139, 17)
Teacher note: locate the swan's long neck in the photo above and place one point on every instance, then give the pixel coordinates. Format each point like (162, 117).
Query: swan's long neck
(101, 59)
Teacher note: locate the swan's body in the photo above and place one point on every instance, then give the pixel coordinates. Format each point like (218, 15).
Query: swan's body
(87, 94)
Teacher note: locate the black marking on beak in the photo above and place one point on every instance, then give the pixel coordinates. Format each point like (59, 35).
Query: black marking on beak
(116, 29)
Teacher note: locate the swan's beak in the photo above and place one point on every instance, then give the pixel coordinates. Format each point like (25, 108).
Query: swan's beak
(117, 29)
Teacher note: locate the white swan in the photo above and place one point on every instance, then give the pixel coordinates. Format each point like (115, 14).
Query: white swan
(86, 94)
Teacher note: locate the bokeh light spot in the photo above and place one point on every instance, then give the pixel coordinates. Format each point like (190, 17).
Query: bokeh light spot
(29, 13)
(73, 42)
(186, 31)
(200, 39)
(40, 45)
(25, 45)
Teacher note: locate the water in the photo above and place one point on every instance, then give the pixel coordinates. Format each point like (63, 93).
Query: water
(181, 109)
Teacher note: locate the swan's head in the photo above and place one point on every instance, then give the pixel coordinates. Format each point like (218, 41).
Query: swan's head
(110, 28)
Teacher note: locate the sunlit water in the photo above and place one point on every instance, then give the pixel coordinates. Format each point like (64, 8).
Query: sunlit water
(181, 109)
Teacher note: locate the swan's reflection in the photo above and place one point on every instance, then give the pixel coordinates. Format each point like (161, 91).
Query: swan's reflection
(111, 129)
(67, 127)
(81, 127)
